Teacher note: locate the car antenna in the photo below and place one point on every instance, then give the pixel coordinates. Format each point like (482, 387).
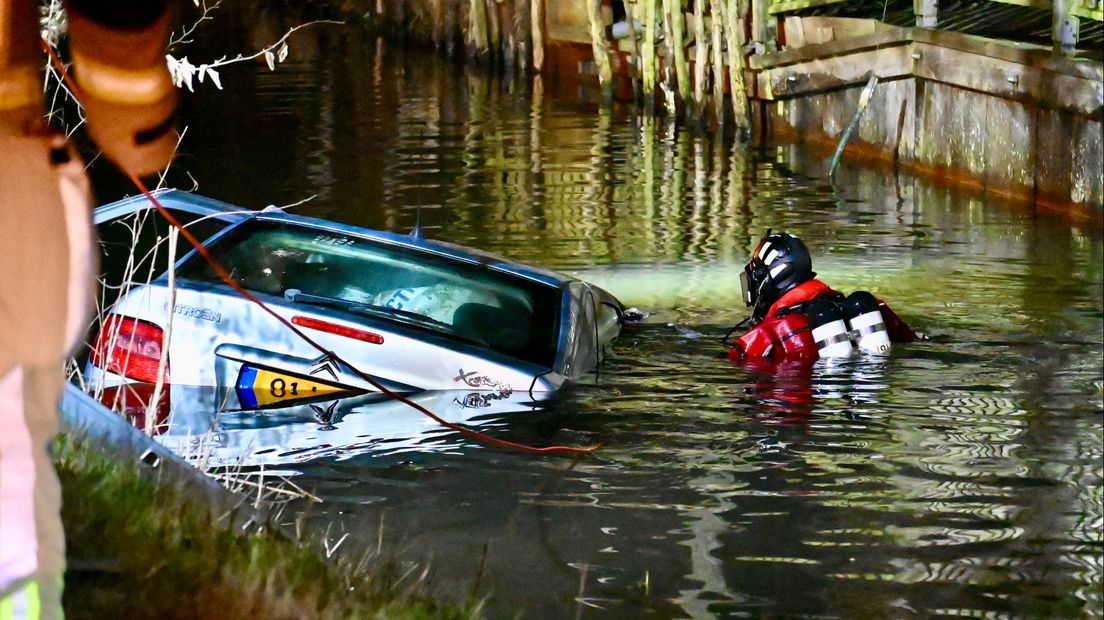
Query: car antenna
(417, 232)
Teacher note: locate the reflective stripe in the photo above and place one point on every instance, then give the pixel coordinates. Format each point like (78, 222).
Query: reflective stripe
(23, 604)
(33, 609)
(870, 329)
(20, 87)
(763, 250)
(831, 340)
(18, 531)
(120, 85)
(770, 257)
(779, 269)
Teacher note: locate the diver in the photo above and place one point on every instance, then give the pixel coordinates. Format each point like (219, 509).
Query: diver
(796, 317)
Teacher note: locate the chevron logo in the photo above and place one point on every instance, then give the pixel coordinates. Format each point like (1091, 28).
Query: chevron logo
(325, 364)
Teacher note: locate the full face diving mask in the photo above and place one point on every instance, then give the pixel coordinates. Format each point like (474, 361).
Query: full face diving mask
(752, 279)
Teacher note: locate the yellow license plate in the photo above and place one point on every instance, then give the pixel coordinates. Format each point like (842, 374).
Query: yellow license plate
(261, 387)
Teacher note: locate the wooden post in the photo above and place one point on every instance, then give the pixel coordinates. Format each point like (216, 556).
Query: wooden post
(599, 47)
(648, 60)
(634, 49)
(438, 9)
(509, 36)
(716, 30)
(398, 19)
(1065, 28)
(737, 89)
(701, 61)
(477, 29)
(522, 21)
(678, 32)
(763, 27)
(927, 13)
(668, 84)
(451, 12)
(494, 29)
(536, 14)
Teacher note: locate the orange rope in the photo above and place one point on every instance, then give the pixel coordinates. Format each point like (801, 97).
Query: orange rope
(225, 277)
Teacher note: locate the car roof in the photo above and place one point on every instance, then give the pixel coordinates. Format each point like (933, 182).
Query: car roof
(175, 199)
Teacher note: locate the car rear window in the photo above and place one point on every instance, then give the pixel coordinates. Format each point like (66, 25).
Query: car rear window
(465, 301)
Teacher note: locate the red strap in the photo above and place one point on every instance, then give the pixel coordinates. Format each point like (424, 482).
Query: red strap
(898, 330)
(806, 291)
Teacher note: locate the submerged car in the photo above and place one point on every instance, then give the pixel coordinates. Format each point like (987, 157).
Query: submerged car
(413, 314)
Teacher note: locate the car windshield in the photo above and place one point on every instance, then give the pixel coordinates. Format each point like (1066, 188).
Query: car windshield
(455, 299)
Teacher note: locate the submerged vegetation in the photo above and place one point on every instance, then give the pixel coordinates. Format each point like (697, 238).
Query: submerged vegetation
(140, 549)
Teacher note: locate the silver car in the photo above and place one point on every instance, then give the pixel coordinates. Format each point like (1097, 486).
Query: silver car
(414, 314)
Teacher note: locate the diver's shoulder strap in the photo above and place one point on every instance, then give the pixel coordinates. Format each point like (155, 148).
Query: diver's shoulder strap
(800, 295)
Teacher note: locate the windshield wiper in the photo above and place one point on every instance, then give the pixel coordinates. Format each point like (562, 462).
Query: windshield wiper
(297, 296)
(294, 295)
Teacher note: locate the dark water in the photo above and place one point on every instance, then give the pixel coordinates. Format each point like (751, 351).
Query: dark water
(957, 477)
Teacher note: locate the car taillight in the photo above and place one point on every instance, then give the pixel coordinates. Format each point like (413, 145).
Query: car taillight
(129, 347)
(132, 401)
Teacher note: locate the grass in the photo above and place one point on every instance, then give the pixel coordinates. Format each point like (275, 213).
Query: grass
(140, 549)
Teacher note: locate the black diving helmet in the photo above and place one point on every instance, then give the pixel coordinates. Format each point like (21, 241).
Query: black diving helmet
(779, 263)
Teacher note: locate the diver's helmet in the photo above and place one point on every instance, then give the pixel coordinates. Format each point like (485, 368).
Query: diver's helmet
(779, 263)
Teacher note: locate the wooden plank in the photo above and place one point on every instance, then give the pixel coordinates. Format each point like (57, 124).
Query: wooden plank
(795, 33)
(906, 133)
(787, 6)
(1084, 11)
(934, 133)
(1033, 4)
(1053, 155)
(1023, 53)
(1079, 8)
(966, 135)
(884, 120)
(896, 36)
(1087, 166)
(1009, 133)
(763, 26)
(1010, 80)
(836, 72)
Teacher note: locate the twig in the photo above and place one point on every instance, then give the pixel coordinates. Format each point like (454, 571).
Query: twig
(183, 71)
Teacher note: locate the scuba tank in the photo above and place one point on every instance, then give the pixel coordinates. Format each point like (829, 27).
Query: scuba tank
(830, 331)
(868, 329)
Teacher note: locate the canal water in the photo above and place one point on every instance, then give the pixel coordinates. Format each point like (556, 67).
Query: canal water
(961, 476)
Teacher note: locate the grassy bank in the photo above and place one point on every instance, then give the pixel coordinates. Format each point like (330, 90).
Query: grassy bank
(139, 549)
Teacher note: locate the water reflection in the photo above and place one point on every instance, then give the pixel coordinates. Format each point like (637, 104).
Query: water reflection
(961, 477)
(203, 427)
